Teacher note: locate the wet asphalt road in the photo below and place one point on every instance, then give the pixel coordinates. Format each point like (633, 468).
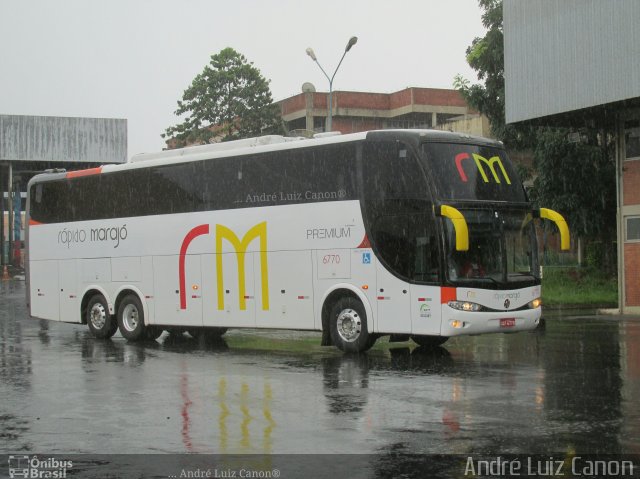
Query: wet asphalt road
(573, 387)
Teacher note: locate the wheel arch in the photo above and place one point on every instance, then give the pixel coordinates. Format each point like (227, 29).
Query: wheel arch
(331, 296)
(89, 293)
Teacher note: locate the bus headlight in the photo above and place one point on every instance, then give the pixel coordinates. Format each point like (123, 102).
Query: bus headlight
(536, 303)
(465, 306)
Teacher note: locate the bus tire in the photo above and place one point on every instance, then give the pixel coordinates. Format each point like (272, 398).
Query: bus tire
(131, 318)
(429, 341)
(101, 324)
(348, 326)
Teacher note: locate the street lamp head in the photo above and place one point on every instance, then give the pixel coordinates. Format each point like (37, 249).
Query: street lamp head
(352, 42)
(311, 54)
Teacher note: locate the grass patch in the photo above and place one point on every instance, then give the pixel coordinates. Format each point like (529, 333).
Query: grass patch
(578, 287)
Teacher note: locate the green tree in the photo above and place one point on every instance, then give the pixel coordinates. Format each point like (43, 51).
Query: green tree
(486, 57)
(229, 99)
(575, 178)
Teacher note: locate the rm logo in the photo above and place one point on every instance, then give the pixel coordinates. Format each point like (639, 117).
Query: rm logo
(479, 161)
(240, 246)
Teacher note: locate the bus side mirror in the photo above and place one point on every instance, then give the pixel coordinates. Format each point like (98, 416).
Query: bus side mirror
(565, 240)
(459, 225)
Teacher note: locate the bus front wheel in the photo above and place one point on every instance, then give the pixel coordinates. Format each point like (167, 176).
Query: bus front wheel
(101, 324)
(429, 341)
(348, 326)
(131, 318)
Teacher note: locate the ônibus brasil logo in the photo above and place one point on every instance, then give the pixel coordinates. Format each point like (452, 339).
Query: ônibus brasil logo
(22, 466)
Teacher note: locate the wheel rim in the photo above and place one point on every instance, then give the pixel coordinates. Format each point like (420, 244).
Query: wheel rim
(98, 316)
(349, 325)
(130, 317)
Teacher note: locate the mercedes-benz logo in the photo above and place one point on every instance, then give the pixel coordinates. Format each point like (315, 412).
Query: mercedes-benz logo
(507, 303)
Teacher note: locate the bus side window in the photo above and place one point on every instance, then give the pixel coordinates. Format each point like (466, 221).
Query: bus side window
(391, 171)
(398, 211)
(407, 244)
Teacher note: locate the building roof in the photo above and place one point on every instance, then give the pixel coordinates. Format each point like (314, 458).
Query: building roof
(62, 139)
(379, 105)
(570, 56)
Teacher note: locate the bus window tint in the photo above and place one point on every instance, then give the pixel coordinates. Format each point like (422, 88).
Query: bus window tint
(298, 176)
(304, 175)
(471, 172)
(391, 172)
(407, 245)
(398, 213)
(173, 189)
(48, 196)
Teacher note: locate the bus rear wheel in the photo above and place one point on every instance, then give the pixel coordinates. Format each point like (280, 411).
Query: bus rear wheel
(101, 324)
(131, 319)
(348, 326)
(429, 341)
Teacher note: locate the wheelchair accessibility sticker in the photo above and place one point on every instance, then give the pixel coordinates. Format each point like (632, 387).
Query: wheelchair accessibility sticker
(366, 258)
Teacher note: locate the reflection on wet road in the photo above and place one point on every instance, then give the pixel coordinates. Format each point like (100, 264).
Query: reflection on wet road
(574, 386)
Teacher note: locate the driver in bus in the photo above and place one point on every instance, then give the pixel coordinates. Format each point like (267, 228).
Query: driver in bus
(472, 268)
(468, 265)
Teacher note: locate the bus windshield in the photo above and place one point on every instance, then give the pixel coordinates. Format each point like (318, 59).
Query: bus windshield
(501, 249)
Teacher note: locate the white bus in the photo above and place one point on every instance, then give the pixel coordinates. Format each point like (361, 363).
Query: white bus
(411, 233)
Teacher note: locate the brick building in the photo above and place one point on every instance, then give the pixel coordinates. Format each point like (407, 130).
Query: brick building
(306, 112)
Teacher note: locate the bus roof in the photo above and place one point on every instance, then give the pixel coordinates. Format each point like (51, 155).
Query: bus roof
(284, 142)
(270, 143)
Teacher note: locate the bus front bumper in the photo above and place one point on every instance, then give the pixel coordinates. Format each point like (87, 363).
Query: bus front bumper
(459, 323)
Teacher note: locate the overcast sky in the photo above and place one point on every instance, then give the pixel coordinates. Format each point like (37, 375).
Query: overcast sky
(134, 58)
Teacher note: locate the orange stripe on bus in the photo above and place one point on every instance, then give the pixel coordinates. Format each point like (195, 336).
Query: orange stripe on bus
(87, 172)
(448, 294)
(365, 243)
(34, 222)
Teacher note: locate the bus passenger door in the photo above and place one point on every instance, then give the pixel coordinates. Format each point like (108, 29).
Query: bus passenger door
(394, 299)
(426, 310)
(68, 285)
(172, 305)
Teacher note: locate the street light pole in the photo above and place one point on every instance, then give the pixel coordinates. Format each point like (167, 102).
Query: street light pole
(352, 41)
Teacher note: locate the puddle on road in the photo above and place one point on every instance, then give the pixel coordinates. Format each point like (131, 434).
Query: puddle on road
(572, 386)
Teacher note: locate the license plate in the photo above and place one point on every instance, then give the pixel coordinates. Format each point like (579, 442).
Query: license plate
(507, 322)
